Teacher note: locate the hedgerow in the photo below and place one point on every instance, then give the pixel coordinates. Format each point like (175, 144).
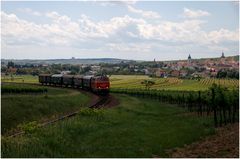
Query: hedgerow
(14, 89)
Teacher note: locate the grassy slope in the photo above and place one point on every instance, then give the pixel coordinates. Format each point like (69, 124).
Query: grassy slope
(136, 128)
(19, 108)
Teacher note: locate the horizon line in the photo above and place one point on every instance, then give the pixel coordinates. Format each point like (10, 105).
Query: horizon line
(91, 58)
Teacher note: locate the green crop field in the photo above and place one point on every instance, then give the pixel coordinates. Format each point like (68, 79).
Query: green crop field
(20, 79)
(23, 107)
(135, 81)
(135, 128)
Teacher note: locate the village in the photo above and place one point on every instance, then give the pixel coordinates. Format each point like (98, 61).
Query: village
(223, 67)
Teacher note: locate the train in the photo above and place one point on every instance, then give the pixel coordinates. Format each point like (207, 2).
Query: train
(95, 84)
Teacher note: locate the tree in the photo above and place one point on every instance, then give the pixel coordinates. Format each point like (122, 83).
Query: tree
(223, 73)
(85, 69)
(3, 69)
(21, 71)
(10, 64)
(148, 83)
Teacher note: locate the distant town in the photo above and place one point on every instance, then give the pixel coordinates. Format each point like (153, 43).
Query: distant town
(222, 67)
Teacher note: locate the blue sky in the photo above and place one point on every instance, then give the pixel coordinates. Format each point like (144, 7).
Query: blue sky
(138, 30)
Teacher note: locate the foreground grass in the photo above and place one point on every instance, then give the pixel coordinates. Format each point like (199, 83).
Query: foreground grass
(22, 108)
(135, 128)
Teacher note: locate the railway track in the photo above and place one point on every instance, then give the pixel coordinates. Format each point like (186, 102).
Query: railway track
(103, 101)
(100, 103)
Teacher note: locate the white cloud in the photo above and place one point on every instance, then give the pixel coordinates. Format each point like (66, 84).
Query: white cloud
(129, 2)
(111, 3)
(63, 31)
(23, 31)
(52, 15)
(128, 47)
(223, 35)
(186, 31)
(146, 14)
(188, 13)
(132, 34)
(106, 28)
(29, 11)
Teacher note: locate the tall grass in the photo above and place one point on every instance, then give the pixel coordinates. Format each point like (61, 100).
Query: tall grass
(136, 128)
(22, 108)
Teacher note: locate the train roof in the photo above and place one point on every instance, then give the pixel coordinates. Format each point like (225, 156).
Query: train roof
(101, 77)
(87, 77)
(44, 74)
(57, 75)
(68, 76)
(78, 76)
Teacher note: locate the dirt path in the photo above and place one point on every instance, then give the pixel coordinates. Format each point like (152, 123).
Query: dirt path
(223, 144)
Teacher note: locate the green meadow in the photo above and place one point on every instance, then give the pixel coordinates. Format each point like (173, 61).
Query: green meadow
(135, 128)
(20, 108)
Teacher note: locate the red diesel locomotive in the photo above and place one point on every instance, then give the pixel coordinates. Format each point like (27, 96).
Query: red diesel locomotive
(96, 84)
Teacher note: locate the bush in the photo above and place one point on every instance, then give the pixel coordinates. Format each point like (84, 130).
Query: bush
(98, 113)
(29, 127)
(15, 89)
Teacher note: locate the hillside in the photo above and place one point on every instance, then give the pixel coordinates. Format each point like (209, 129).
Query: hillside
(97, 60)
(66, 61)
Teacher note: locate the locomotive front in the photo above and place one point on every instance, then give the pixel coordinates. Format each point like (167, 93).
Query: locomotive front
(100, 84)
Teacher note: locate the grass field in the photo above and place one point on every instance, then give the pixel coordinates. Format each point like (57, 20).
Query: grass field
(25, 107)
(135, 128)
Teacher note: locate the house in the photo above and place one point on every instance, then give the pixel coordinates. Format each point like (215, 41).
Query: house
(65, 72)
(95, 68)
(146, 71)
(12, 70)
(183, 73)
(175, 73)
(116, 68)
(160, 73)
(213, 74)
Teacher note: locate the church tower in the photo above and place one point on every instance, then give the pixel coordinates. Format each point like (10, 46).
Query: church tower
(222, 55)
(189, 59)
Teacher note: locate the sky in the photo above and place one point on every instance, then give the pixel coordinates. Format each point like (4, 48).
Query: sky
(137, 30)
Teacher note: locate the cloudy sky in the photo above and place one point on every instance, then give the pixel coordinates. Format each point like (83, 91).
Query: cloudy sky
(129, 30)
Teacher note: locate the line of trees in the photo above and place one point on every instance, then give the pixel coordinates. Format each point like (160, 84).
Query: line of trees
(220, 102)
(223, 73)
